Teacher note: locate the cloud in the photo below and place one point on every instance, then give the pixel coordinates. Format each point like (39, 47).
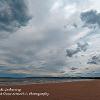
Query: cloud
(81, 46)
(22, 71)
(91, 18)
(13, 15)
(71, 52)
(94, 60)
(38, 47)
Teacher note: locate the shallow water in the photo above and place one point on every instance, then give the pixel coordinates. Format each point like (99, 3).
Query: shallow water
(25, 81)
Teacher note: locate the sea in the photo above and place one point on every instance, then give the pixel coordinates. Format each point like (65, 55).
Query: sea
(39, 80)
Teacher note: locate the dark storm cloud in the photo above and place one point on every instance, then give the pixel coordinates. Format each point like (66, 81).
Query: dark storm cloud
(94, 60)
(80, 47)
(13, 14)
(91, 18)
(71, 52)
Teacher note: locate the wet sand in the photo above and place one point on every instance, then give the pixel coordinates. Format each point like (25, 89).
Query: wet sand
(82, 90)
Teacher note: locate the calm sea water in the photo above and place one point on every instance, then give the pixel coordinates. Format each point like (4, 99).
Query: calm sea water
(19, 81)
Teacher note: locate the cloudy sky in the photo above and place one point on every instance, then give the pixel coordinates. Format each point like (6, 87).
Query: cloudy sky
(49, 38)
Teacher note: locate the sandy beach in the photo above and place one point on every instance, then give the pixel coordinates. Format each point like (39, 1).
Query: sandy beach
(82, 90)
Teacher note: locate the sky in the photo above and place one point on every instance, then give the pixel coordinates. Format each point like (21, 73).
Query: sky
(49, 38)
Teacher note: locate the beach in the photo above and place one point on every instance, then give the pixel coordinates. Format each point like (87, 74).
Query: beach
(77, 90)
